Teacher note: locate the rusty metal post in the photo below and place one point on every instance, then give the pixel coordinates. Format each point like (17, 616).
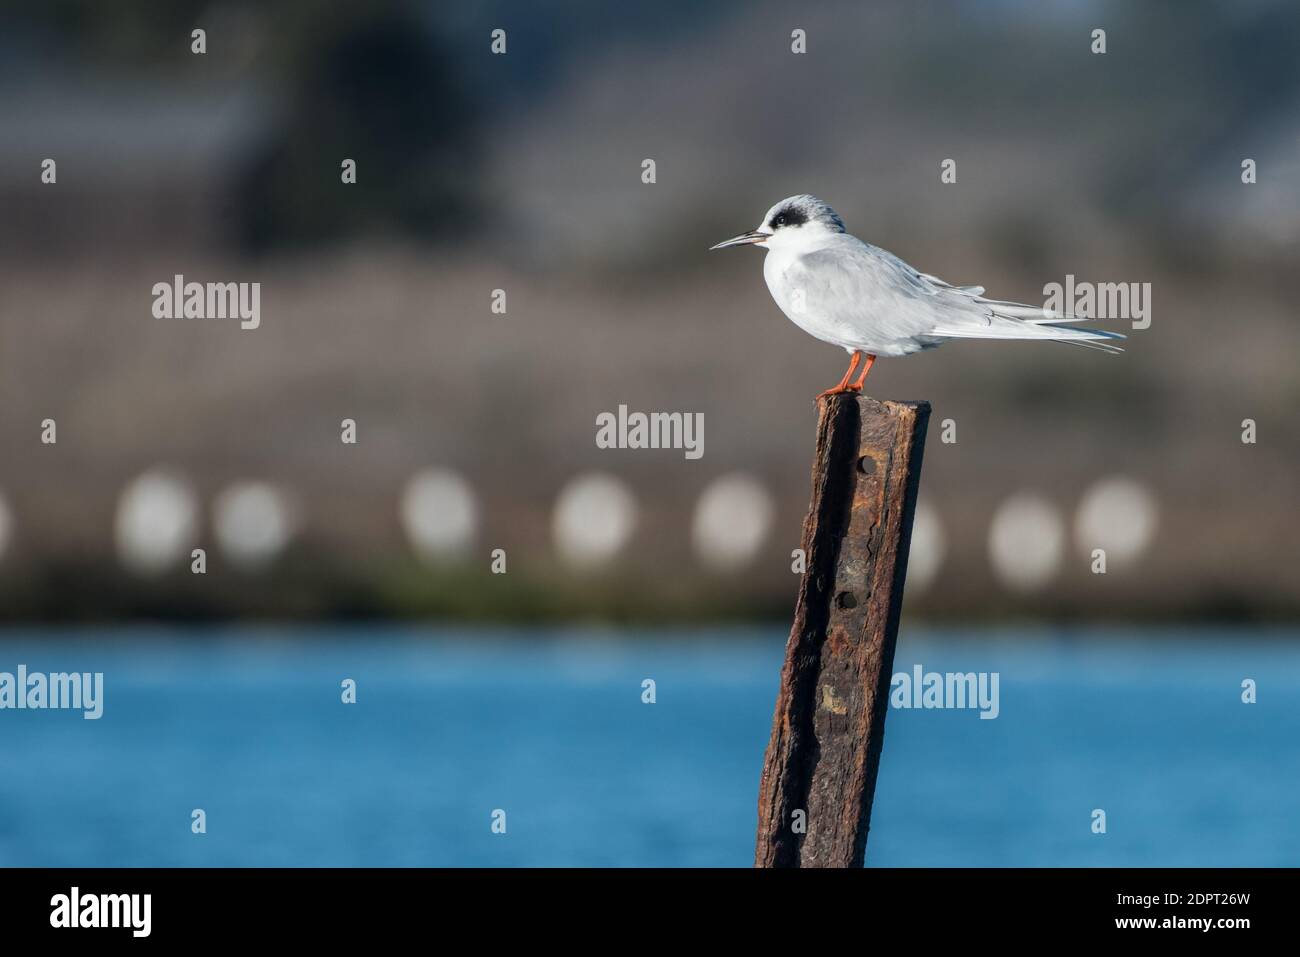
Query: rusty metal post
(830, 712)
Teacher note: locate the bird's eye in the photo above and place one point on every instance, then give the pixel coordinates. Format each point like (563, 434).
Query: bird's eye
(789, 217)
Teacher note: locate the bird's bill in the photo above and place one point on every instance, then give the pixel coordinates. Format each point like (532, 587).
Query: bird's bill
(744, 239)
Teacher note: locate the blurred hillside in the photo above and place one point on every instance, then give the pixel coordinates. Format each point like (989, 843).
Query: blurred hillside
(522, 173)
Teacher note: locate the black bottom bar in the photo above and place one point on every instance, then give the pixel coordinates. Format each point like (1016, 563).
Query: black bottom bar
(336, 906)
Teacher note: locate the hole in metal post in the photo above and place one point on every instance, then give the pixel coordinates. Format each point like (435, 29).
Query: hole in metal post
(866, 465)
(845, 599)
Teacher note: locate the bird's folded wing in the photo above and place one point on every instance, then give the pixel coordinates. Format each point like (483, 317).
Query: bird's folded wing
(855, 285)
(1001, 319)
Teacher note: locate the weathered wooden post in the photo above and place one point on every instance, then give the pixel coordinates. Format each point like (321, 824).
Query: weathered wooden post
(830, 712)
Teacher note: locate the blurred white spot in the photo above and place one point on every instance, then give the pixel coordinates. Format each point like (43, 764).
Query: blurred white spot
(156, 522)
(732, 519)
(929, 547)
(252, 522)
(594, 518)
(439, 513)
(1026, 541)
(1118, 515)
(6, 525)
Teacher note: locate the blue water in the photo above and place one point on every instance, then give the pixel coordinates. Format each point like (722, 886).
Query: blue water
(550, 727)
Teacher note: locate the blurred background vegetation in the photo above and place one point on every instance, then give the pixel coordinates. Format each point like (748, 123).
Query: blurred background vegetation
(522, 172)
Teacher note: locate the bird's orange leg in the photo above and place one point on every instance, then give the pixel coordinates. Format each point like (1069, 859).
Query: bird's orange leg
(866, 367)
(843, 384)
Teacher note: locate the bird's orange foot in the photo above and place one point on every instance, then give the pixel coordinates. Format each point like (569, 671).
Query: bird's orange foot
(843, 386)
(841, 389)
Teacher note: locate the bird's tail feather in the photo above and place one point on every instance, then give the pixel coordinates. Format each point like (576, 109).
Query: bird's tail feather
(1105, 347)
(1004, 324)
(1039, 315)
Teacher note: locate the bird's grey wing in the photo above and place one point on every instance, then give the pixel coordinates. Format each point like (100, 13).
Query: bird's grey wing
(1002, 307)
(903, 302)
(970, 315)
(860, 289)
